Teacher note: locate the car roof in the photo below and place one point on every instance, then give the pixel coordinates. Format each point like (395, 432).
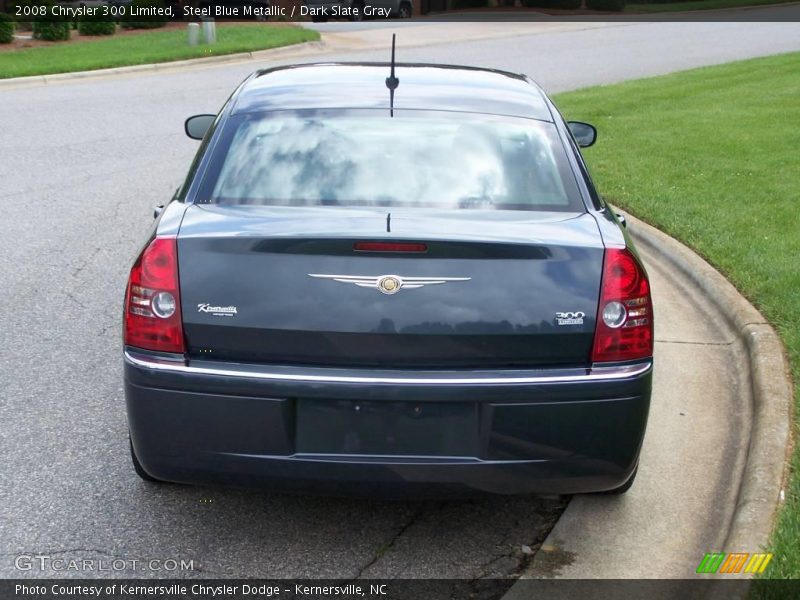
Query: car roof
(363, 85)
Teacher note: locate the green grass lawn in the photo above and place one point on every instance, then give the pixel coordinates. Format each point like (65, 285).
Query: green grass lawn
(149, 47)
(712, 157)
(698, 5)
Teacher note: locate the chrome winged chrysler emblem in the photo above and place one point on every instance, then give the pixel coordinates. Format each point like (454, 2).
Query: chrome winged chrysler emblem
(389, 284)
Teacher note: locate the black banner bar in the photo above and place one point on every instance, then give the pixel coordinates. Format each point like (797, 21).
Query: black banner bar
(341, 11)
(395, 589)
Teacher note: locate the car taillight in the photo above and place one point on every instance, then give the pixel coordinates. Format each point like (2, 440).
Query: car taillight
(625, 315)
(389, 247)
(152, 301)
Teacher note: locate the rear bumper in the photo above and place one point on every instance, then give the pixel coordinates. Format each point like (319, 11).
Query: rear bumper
(387, 432)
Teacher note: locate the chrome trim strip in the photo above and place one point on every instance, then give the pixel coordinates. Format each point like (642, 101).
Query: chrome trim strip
(574, 375)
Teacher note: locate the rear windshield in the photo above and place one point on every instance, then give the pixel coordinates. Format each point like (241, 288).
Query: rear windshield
(414, 159)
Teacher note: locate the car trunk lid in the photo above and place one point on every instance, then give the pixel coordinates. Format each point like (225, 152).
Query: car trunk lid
(491, 288)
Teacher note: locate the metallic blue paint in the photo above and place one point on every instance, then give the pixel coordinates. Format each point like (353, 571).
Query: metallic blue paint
(562, 436)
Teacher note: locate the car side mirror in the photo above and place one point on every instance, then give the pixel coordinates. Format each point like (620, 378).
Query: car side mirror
(584, 134)
(197, 126)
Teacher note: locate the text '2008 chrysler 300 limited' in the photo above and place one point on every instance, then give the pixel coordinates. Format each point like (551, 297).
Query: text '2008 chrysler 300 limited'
(408, 288)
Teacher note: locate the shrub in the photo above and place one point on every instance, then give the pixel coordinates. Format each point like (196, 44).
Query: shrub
(96, 25)
(23, 23)
(51, 31)
(50, 28)
(6, 29)
(565, 4)
(129, 22)
(461, 4)
(615, 5)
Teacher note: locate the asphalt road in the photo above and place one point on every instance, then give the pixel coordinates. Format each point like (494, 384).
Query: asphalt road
(81, 164)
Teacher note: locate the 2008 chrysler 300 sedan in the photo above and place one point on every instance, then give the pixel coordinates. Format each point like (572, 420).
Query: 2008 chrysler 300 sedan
(381, 281)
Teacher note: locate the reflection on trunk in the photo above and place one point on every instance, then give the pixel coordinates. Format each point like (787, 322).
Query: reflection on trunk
(510, 279)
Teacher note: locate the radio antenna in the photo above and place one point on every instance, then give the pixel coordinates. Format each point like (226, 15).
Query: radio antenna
(392, 82)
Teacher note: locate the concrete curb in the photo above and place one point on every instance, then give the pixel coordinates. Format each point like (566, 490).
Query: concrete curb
(292, 50)
(771, 388)
(329, 42)
(761, 400)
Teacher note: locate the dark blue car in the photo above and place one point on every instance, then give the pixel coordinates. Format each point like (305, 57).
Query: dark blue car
(383, 282)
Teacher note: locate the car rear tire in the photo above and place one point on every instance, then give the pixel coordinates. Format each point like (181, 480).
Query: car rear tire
(624, 487)
(316, 19)
(404, 12)
(137, 466)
